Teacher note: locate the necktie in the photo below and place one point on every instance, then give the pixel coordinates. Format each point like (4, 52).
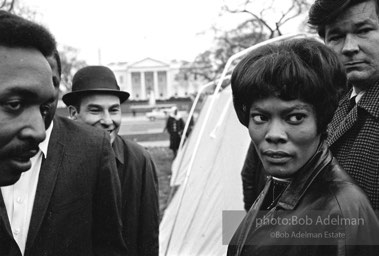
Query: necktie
(352, 103)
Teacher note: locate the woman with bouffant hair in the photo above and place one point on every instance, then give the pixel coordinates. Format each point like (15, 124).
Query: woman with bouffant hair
(286, 94)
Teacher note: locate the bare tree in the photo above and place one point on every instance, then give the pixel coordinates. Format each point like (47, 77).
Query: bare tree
(270, 15)
(263, 19)
(17, 7)
(7, 5)
(70, 64)
(209, 64)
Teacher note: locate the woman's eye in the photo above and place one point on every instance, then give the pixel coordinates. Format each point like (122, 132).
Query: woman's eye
(296, 118)
(257, 118)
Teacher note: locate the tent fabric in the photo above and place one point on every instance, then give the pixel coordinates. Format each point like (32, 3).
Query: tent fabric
(180, 165)
(193, 225)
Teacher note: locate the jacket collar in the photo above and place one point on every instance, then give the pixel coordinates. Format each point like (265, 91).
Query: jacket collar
(305, 177)
(118, 149)
(370, 100)
(47, 179)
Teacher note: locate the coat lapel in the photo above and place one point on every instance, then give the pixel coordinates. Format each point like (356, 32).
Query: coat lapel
(343, 125)
(344, 120)
(4, 217)
(46, 183)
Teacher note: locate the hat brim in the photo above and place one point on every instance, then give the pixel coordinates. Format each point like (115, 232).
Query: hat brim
(71, 97)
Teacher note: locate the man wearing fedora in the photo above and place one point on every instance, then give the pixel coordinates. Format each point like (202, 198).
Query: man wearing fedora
(96, 100)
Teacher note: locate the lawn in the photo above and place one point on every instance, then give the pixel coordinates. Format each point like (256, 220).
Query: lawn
(162, 157)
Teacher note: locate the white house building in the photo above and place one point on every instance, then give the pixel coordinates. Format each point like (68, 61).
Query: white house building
(150, 78)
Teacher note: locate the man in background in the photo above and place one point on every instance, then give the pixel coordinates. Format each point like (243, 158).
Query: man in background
(96, 100)
(174, 126)
(65, 204)
(351, 29)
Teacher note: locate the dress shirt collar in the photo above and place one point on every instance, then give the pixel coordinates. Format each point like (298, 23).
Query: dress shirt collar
(357, 94)
(45, 143)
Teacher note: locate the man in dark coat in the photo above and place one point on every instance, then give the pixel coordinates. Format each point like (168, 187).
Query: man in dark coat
(95, 100)
(20, 134)
(64, 205)
(351, 29)
(174, 126)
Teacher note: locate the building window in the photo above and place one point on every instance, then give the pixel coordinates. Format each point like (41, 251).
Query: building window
(121, 79)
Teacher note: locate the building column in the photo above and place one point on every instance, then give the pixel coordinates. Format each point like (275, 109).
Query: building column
(129, 85)
(143, 87)
(169, 83)
(156, 88)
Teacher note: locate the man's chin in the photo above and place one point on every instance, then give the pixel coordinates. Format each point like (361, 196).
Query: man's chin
(9, 176)
(361, 80)
(9, 181)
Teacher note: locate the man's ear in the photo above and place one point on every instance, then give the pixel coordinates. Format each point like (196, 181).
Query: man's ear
(73, 112)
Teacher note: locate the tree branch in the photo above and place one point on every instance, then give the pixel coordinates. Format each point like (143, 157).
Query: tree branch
(11, 6)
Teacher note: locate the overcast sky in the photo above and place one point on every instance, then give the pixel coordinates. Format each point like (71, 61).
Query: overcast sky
(130, 30)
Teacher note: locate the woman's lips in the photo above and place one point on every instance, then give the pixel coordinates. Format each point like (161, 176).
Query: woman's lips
(276, 157)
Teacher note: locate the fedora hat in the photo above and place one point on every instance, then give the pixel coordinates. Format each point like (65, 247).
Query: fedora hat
(93, 79)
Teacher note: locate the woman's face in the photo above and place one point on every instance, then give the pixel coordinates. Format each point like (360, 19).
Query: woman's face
(284, 134)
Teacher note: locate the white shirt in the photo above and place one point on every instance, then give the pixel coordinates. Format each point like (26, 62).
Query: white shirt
(19, 197)
(359, 95)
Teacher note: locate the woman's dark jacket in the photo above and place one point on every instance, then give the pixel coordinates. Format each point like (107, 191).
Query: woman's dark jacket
(321, 191)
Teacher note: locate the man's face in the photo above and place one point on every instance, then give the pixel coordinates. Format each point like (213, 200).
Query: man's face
(56, 81)
(354, 36)
(26, 92)
(100, 110)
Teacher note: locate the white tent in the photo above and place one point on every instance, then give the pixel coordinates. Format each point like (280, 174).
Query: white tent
(192, 226)
(207, 171)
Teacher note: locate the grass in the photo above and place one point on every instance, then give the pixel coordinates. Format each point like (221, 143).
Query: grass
(162, 157)
(147, 137)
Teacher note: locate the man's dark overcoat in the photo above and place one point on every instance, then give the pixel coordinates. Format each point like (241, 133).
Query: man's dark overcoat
(140, 203)
(77, 203)
(354, 141)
